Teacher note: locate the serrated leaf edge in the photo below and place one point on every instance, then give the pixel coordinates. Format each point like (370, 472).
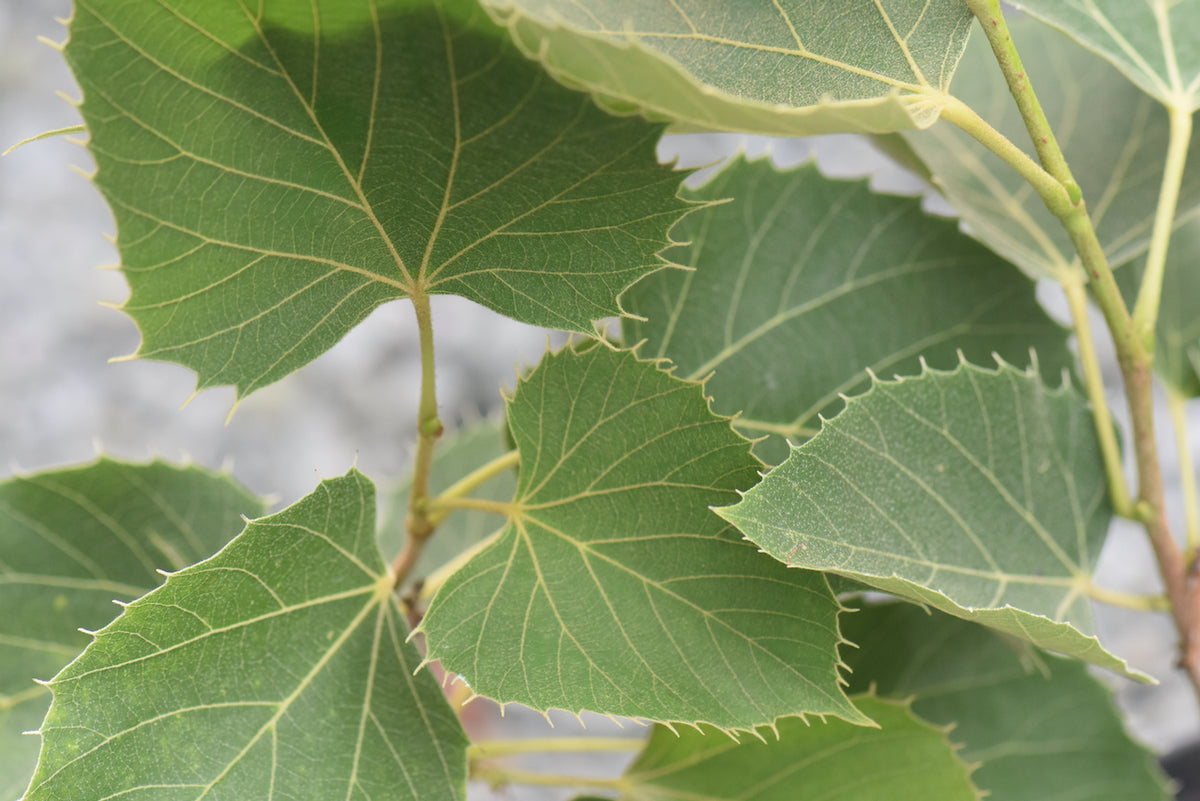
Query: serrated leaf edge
(508, 16)
(666, 366)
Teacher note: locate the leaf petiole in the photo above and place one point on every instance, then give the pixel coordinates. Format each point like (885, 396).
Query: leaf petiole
(418, 527)
(491, 749)
(470, 482)
(1127, 600)
(499, 776)
(1145, 310)
(1094, 381)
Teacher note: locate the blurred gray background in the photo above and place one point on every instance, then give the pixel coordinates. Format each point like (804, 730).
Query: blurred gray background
(61, 401)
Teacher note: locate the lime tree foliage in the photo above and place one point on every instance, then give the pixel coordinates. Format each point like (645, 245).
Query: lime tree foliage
(814, 390)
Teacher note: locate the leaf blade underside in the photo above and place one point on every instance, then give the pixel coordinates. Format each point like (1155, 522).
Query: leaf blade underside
(72, 541)
(278, 666)
(613, 588)
(1042, 727)
(804, 285)
(1156, 44)
(905, 758)
(977, 492)
(1120, 172)
(275, 179)
(780, 69)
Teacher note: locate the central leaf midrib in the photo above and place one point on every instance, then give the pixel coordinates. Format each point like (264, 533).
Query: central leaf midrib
(352, 179)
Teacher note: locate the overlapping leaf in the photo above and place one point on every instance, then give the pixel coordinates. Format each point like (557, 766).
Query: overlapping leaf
(787, 68)
(981, 493)
(1156, 43)
(1114, 137)
(803, 284)
(72, 541)
(277, 668)
(1042, 728)
(458, 453)
(275, 177)
(613, 588)
(905, 759)
(1177, 331)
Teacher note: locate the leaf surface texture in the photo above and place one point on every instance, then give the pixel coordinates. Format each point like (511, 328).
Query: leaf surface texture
(1040, 727)
(71, 542)
(1113, 135)
(1155, 43)
(906, 759)
(613, 587)
(977, 492)
(804, 284)
(277, 176)
(277, 668)
(786, 68)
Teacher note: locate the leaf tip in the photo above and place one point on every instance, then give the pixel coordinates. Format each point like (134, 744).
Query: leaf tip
(89, 176)
(126, 358)
(72, 101)
(46, 40)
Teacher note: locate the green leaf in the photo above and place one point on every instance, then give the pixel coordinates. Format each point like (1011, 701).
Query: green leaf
(277, 668)
(1156, 43)
(787, 68)
(1114, 137)
(906, 758)
(613, 588)
(1042, 727)
(272, 185)
(72, 541)
(978, 492)
(1177, 331)
(458, 453)
(804, 284)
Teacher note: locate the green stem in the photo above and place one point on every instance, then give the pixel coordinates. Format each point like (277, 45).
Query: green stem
(1183, 588)
(429, 428)
(1145, 310)
(991, 19)
(1126, 600)
(438, 508)
(1094, 381)
(470, 482)
(500, 776)
(1049, 189)
(490, 749)
(1177, 403)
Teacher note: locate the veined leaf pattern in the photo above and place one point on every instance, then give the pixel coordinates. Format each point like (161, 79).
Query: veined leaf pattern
(980, 493)
(278, 174)
(72, 541)
(785, 68)
(1156, 43)
(1039, 728)
(1120, 169)
(277, 668)
(614, 588)
(804, 285)
(905, 759)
